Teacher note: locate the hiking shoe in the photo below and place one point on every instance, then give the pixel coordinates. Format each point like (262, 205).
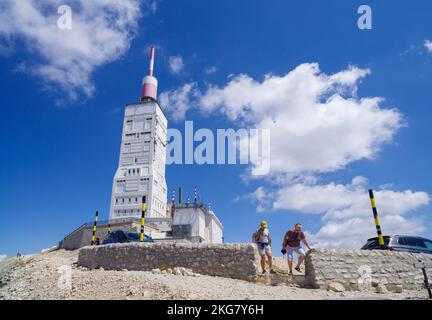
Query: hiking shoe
(272, 271)
(264, 272)
(290, 273)
(298, 269)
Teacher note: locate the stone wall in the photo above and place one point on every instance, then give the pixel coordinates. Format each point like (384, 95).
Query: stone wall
(353, 269)
(347, 267)
(237, 261)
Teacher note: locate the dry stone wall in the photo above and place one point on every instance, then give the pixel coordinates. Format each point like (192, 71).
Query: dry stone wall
(360, 269)
(238, 261)
(351, 269)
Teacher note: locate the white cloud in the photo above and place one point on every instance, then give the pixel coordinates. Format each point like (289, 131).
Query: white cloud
(101, 33)
(353, 233)
(176, 64)
(210, 70)
(2, 257)
(428, 45)
(346, 210)
(177, 102)
(317, 122)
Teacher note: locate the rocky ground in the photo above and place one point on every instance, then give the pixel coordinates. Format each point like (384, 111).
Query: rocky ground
(42, 276)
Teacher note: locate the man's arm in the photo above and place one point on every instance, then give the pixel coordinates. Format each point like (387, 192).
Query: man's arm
(307, 244)
(284, 241)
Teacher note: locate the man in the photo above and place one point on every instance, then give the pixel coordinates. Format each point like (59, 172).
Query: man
(291, 244)
(262, 238)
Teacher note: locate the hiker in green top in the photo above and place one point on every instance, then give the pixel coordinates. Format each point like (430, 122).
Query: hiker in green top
(262, 238)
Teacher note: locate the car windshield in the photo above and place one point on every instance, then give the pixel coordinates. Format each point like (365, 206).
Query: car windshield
(133, 236)
(373, 243)
(413, 242)
(428, 244)
(118, 235)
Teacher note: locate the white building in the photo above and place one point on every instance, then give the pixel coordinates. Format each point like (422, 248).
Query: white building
(197, 223)
(141, 171)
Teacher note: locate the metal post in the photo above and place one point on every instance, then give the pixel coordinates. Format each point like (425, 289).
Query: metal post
(180, 196)
(109, 228)
(143, 212)
(376, 217)
(172, 203)
(94, 228)
(173, 198)
(426, 282)
(423, 266)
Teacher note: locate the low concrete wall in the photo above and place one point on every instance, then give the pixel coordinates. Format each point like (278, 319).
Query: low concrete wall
(237, 261)
(81, 237)
(346, 267)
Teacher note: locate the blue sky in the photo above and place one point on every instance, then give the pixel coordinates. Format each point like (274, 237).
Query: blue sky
(60, 139)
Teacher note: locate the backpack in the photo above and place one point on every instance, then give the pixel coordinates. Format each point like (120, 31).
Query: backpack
(255, 235)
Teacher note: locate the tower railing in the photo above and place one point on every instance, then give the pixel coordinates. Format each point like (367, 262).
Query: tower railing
(195, 205)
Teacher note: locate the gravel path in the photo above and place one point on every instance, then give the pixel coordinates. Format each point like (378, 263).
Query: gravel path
(37, 277)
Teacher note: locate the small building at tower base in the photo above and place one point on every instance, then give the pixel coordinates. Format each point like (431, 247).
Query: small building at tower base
(185, 223)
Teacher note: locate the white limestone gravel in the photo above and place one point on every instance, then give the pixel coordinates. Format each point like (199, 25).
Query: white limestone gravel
(37, 277)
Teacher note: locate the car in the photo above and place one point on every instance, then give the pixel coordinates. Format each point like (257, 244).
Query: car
(403, 243)
(120, 236)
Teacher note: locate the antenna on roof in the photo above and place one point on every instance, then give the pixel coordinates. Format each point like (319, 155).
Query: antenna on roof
(150, 83)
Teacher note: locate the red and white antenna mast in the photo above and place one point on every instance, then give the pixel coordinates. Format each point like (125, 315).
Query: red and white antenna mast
(152, 56)
(150, 83)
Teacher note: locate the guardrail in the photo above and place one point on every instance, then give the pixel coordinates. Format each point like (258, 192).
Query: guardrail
(193, 205)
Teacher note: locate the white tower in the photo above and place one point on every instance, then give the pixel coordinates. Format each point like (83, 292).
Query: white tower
(141, 170)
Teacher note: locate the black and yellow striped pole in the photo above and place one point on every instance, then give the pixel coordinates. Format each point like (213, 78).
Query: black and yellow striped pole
(94, 228)
(143, 212)
(376, 217)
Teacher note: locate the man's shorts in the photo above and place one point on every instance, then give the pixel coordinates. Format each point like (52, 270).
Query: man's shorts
(264, 248)
(291, 250)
